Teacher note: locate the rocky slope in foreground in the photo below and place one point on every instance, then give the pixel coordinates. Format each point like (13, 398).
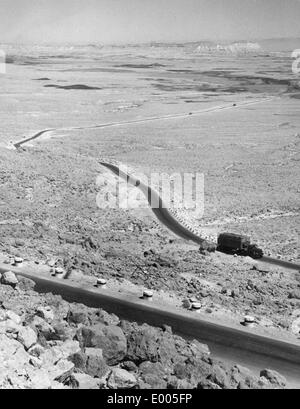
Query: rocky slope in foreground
(47, 343)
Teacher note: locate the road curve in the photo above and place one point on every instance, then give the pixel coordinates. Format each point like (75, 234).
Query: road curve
(165, 216)
(160, 210)
(18, 144)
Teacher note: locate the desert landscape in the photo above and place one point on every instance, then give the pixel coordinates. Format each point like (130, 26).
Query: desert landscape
(230, 112)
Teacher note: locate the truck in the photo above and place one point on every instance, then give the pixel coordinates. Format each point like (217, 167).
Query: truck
(232, 243)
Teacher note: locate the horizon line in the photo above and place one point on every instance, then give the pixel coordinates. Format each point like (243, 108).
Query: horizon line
(150, 41)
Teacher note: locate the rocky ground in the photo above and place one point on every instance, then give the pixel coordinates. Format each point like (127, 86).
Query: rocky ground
(48, 197)
(47, 343)
(49, 211)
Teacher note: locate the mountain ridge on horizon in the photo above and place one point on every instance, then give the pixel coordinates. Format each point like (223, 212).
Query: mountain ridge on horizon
(212, 41)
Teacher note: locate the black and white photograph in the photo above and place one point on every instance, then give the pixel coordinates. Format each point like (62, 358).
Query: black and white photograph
(149, 197)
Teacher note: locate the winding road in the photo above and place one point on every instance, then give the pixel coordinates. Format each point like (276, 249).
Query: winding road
(157, 205)
(235, 344)
(164, 215)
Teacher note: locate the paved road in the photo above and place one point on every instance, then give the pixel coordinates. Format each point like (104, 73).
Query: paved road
(165, 216)
(217, 108)
(234, 344)
(157, 206)
(280, 263)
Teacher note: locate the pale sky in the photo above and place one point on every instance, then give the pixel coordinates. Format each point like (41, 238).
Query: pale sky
(114, 21)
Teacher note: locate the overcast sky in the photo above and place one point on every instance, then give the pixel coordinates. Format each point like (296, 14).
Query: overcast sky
(113, 21)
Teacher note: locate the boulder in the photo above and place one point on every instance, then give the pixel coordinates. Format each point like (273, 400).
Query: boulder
(51, 356)
(27, 337)
(115, 345)
(193, 349)
(146, 343)
(14, 317)
(108, 319)
(219, 377)
(36, 350)
(69, 348)
(12, 354)
(84, 381)
(167, 352)
(121, 379)
(175, 383)
(77, 316)
(274, 377)
(101, 316)
(61, 371)
(129, 366)
(193, 370)
(25, 284)
(46, 313)
(95, 364)
(109, 338)
(62, 332)
(30, 378)
(198, 349)
(9, 278)
(36, 362)
(242, 378)
(79, 360)
(59, 307)
(42, 327)
(207, 384)
(153, 374)
(143, 344)
(9, 327)
(86, 337)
